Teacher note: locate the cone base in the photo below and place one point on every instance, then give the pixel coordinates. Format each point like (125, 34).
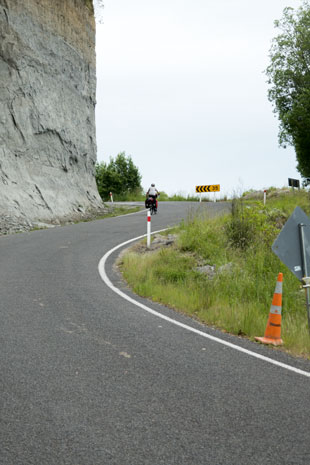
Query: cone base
(267, 340)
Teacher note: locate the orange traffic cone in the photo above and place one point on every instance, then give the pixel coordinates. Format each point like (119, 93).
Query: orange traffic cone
(273, 328)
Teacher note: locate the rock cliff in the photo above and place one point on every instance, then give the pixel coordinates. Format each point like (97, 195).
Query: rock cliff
(47, 111)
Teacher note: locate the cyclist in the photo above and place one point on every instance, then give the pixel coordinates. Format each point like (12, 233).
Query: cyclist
(153, 194)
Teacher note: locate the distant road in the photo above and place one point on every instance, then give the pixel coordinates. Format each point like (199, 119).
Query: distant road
(88, 378)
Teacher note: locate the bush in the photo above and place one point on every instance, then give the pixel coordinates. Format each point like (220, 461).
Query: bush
(120, 176)
(252, 224)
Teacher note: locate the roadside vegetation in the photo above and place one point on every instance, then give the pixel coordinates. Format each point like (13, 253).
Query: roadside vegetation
(223, 272)
(289, 82)
(122, 178)
(112, 212)
(139, 196)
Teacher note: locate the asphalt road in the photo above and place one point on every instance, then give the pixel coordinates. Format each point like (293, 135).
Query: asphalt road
(88, 378)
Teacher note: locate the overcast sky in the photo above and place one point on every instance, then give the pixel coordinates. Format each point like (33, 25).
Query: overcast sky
(181, 88)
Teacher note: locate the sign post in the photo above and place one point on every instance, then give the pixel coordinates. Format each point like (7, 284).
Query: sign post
(306, 278)
(292, 246)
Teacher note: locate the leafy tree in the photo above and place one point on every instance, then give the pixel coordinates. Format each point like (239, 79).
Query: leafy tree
(119, 176)
(289, 76)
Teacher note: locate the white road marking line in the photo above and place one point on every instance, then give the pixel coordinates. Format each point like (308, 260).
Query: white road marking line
(106, 280)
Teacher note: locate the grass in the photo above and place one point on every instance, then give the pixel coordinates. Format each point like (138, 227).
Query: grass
(237, 299)
(117, 211)
(286, 200)
(179, 197)
(164, 197)
(114, 211)
(128, 197)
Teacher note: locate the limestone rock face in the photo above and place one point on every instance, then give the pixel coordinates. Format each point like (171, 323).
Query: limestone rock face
(47, 110)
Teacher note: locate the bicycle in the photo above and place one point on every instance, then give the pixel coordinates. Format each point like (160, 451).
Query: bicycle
(151, 205)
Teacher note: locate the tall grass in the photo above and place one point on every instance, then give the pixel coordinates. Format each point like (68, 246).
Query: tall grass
(135, 196)
(139, 196)
(237, 298)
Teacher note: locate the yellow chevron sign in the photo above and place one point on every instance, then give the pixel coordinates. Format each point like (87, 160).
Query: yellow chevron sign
(212, 188)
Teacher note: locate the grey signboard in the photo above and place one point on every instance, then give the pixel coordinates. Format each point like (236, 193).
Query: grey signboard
(293, 182)
(287, 245)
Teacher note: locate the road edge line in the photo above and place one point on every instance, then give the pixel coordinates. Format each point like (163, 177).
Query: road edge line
(106, 280)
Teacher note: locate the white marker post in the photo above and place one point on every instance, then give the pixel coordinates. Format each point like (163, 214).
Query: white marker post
(148, 237)
(111, 197)
(265, 197)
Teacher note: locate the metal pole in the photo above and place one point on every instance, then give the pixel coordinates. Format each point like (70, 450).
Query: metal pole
(302, 248)
(148, 238)
(305, 279)
(307, 289)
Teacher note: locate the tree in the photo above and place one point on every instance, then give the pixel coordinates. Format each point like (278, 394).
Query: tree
(289, 76)
(120, 176)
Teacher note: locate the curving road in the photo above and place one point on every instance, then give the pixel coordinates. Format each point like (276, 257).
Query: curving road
(89, 378)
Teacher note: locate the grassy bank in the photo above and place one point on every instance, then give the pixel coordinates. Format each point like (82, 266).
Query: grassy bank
(236, 294)
(164, 197)
(118, 211)
(112, 211)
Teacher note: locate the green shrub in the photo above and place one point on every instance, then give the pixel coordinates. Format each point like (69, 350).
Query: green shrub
(119, 176)
(253, 223)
